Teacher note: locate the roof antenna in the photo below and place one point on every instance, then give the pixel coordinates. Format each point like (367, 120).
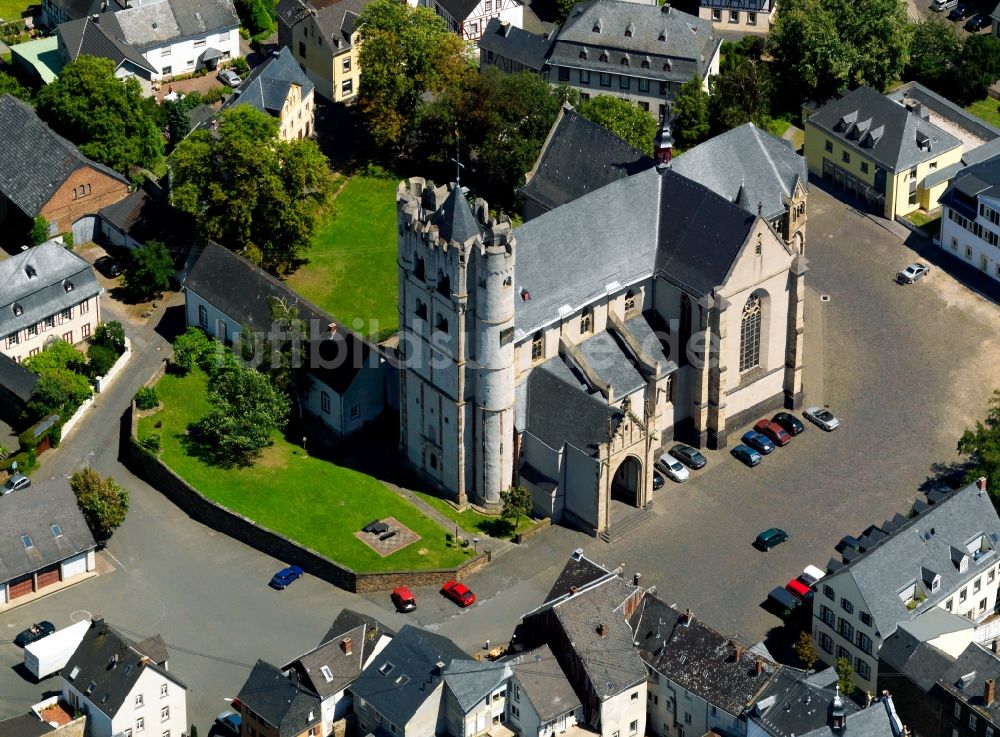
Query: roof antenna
(458, 161)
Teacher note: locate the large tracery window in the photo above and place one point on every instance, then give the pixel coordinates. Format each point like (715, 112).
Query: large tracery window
(537, 349)
(750, 333)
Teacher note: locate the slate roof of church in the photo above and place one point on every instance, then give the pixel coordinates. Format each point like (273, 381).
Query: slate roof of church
(559, 412)
(578, 157)
(516, 44)
(268, 85)
(764, 167)
(455, 219)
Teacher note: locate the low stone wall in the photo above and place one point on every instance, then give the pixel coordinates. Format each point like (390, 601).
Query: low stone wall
(541, 525)
(366, 582)
(102, 384)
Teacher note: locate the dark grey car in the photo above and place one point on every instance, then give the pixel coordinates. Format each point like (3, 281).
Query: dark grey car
(688, 456)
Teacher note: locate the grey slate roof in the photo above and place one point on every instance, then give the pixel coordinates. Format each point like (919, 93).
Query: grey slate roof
(16, 380)
(88, 37)
(34, 160)
(398, 692)
(793, 703)
(146, 215)
(882, 129)
(458, 9)
(76, 9)
(455, 219)
(280, 700)
(578, 572)
(472, 681)
(966, 677)
(25, 725)
(349, 619)
(878, 720)
(147, 24)
(746, 158)
(108, 687)
(516, 44)
(914, 93)
(579, 157)
(677, 45)
(921, 662)
(337, 19)
(611, 363)
(268, 85)
(40, 282)
(697, 658)
(979, 179)
(544, 684)
(927, 541)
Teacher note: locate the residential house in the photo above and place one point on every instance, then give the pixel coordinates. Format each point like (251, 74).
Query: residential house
(880, 151)
(323, 37)
(935, 572)
(272, 704)
(280, 88)
(55, 12)
(740, 16)
(49, 292)
(329, 669)
(469, 18)
(585, 622)
(236, 302)
(41, 173)
(475, 697)
(45, 540)
(32, 725)
(17, 385)
(700, 681)
(124, 688)
(88, 37)
(512, 49)
(578, 157)
(541, 701)
(143, 216)
(401, 691)
(970, 216)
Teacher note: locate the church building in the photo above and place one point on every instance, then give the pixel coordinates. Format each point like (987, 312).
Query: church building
(564, 354)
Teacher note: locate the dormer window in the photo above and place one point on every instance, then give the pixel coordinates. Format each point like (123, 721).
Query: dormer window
(597, 25)
(604, 56)
(624, 61)
(386, 668)
(18, 309)
(645, 63)
(629, 29)
(666, 65)
(583, 53)
(29, 270)
(67, 285)
(662, 36)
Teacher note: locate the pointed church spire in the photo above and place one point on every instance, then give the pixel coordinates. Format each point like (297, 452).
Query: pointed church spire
(742, 200)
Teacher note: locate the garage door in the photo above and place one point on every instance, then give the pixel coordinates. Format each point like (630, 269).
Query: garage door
(19, 587)
(83, 230)
(74, 566)
(48, 576)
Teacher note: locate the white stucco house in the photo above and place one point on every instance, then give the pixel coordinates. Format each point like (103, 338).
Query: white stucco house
(970, 216)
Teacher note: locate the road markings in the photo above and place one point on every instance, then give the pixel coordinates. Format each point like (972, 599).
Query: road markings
(112, 556)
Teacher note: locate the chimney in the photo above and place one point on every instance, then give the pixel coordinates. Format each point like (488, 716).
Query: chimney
(636, 577)
(688, 616)
(759, 667)
(602, 630)
(737, 653)
(990, 691)
(345, 645)
(995, 646)
(981, 483)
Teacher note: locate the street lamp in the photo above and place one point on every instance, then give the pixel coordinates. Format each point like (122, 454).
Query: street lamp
(475, 542)
(304, 451)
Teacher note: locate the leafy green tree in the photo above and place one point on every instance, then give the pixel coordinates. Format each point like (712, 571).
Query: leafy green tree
(59, 391)
(103, 502)
(57, 355)
(100, 359)
(10, 86)
(845, 676)
(178, 123)
(39, 230)
(149, 271)
(934, 54)
(249, 190)
(405, 53)
(246, 409)
(741, 93)
(106, 117)
(630, 123)
(981, 445)
(110, 335)
(516, 503)
(190, 347)
(978, 66)
(805, 649)
(690, 114)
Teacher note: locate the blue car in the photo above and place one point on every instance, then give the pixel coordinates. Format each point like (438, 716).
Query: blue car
(229, 722)
(747, 454)
(285, 576)
(758, 442)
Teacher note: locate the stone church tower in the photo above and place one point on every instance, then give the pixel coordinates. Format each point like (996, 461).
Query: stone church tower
(456, 319)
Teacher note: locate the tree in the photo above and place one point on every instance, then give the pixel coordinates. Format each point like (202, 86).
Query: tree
(100, 359)
(981, 445)
(249, 190)
(845, 676)
(690, 114)
(741, 93)
(10, 86)
(149, 271)
(110, 335)
(106, 117)
(57, 355)
(977, 67)
(39, 232)
(103, 502)
(190, 347)
(516, 503)
(59, 391)
(245, 409)
(935, 51)
(805, 648)
(405, 53)
(630, 123)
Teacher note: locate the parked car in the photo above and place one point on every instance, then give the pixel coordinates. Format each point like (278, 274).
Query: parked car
(775, 432)
(811, 574)
(799, 589)
(34, 633)
(229, 722)
(285, 577)
(403, 599)
(108, 266)
(672, 468)
(658, 480)
(939, 6)
(459, 593)
(688, 456)
(913, 272)
(229, 78)
(15, 483)
(792, 425)
(747, 454)
(758, 442)
(770, 538)
(822, 417)
(978, 23)
(961, 11)
(783, 599)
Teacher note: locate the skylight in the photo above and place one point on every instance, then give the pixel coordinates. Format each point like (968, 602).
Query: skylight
(56, 531)
(327, 673)
(386, 668)
(26, 539)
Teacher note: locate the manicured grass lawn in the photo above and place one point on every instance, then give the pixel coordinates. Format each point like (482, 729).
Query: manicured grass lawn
(987, 110)
(475, 523)
(12, 9)
(351, 271)
(778, 126)
(306, 499)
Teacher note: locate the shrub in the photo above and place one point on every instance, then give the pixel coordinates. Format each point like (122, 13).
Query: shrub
(100, 359)
(151, 442)
(189, 349)
(215, 94)
(60, 391)
(67, 239)
(58, 355)
(240, 66)
(147, 398)
(39, 231)
(110, 335)
(103, 502)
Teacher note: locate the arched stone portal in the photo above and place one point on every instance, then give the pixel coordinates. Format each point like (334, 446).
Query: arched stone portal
(626, 485)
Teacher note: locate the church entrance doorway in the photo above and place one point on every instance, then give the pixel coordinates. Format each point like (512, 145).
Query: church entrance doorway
(627, 481)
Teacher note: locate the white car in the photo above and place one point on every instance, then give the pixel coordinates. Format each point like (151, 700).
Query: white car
(672, 467)
(229, 78)
(913, 272)
(822, 417)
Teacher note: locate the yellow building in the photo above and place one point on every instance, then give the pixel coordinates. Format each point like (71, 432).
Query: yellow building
(323, 38)
(279, 88)
(875, 149)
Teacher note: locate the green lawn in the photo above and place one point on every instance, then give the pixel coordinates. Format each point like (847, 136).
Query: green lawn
(12, 9)
(351, 271)
(987, 110)
(778, 126)
(306, 499)
(475, 523)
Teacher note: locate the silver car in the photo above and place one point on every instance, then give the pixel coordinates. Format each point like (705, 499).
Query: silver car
(822, 417)
(229, 78)
(672, 467)
(14, 483)
(913, 272)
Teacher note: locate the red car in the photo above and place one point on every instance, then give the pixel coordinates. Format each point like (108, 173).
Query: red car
(773, 430)
(403, 599)
(798, 589)
(459, 593)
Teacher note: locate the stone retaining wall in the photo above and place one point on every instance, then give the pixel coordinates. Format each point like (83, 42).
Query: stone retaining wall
(541, 525)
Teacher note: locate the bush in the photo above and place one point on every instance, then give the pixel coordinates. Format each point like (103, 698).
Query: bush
(39, 231)
(110, 335)
(103, 502)
(151, 442)
(27, 461)
(59, 391)
(147, 398)
(215, 94)
(67, 239)
(100, 359)
(58, 355)
(189, 349)
(240, 66)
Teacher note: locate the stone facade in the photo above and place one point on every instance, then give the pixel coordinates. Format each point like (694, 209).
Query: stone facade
(84, 192)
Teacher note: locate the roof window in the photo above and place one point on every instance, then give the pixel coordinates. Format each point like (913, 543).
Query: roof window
(386, 668)
(28, 544)
(18, 309)
(327, 673)
(29, 270)
(56, 531)
(67, 285)
(629, 30)
(597, 25)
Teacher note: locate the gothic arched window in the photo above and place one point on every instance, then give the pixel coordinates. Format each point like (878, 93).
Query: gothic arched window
(537, 347)
(586, 322)
(629, 302)
(750, 333)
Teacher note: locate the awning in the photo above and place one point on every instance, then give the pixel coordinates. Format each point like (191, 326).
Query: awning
(211, 53)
